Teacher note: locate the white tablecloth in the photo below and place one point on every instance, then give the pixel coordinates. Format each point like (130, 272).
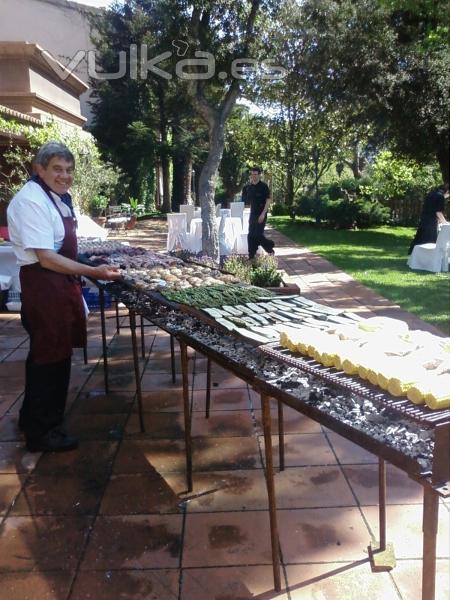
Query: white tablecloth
(8, 265)
(229, 229)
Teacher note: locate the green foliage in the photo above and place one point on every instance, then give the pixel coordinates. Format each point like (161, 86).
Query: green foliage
(395, 177)
(262, 271)
(93, 176)
(98, 206)
(280, 210)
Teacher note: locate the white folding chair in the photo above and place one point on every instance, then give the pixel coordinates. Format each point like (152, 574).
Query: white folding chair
(189, 210)
(197, 213)
(432, 257)
(194, 237)
(245, 219)
(176, 231)
(237, 209)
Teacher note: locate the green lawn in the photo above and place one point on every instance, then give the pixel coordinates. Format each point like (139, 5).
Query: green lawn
(377, 258)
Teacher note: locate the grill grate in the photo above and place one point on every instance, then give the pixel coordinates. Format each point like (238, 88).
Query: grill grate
(419, 413)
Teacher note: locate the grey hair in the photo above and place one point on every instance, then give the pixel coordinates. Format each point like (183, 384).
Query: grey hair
(50, 150)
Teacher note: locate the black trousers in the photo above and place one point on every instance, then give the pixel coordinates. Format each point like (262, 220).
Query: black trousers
(257, 238)
(46, 388)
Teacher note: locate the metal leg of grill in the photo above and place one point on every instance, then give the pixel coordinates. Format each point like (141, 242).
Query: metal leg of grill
(101, 296)
(430, 527)
(142, 337)
(85, 355)
(137, 374)
(281, 435)
(267, 426)
(117, 317)
(172, 360)
(187, 414)
(381, 554)
(208, 387)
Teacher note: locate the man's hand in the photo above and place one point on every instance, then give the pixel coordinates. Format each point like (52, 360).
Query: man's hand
(106, 273)
(261, 218)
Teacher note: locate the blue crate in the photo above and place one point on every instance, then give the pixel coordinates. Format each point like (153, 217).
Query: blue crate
(92, 297)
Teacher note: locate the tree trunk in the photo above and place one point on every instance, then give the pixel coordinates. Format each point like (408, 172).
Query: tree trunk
(157, 186)
(206, 189)
(187, 178)
(178, 197)
(290, 186)
(443, 156)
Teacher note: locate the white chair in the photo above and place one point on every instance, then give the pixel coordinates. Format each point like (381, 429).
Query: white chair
(194, 237)
(197, 213)
(245, 219)
(432, 257)
(189, 210)
(218, 209)
(237, 209)
(176, 231)
(241, 246)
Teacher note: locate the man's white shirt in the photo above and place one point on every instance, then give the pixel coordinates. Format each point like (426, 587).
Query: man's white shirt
(34, 222)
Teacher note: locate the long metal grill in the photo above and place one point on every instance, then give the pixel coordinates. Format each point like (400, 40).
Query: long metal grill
(405, 407)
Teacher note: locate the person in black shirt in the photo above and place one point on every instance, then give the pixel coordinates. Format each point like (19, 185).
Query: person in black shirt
(257, 194)
(432, 214)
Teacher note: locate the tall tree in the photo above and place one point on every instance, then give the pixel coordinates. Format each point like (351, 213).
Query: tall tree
(391, 60)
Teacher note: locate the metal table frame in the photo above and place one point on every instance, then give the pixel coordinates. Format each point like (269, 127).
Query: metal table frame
(431, 492)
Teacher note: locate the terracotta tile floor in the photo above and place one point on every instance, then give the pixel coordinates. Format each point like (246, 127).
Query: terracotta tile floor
(112, 520)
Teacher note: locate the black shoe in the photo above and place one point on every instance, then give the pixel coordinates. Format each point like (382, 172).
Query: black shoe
(53, 441)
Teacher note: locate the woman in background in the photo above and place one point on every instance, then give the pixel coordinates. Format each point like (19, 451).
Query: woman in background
(432, 215)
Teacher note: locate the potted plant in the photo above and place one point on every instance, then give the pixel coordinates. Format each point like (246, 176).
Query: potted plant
(97, 209)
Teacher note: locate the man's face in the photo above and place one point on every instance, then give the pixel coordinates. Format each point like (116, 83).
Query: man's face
(58, 174)
(255, 176)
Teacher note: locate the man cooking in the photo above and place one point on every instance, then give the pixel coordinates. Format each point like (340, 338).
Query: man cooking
(42, 229)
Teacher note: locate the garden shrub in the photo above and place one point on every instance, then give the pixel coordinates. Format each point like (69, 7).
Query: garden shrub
(280, 210)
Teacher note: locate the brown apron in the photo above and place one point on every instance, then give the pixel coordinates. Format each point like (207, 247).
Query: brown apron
(52, 304)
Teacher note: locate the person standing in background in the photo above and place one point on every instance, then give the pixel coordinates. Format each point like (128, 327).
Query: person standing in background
(432, 215)
(257, 194)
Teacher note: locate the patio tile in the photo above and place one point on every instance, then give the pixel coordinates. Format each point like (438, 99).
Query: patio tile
(164, 365)
(336, 581)
(9, 430)
(307, 487)
(218, 380)
(325, 535)
(15, 459)
(408, 577)
(141, 494)
(157, 425)
(218, 454)
(48, 585)
(118, 382)
(97, 426)
(23, 540)
(12, 368)
(349, 453)
(148, 456)
(59, 495)
(134, 542)
(7, 401)
(89, 460)
(230, 583)
(11, 342)
(159, 381)
(227, 491)
(400, 489)
(235, 399)
(10, 485)
(152, 584)
(404, 529)
(98, 402)
(302, 449)
(223, 423)
(233, 538)
(13, 385)
(161, 401)
(294, 421)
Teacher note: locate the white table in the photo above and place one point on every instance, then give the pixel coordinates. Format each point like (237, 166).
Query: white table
(229, 230)
(9, 266)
